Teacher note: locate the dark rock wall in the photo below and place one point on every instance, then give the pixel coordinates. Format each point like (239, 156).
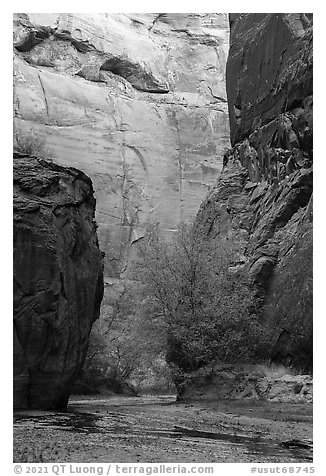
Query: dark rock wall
(269, 68)
(262, 203)
(58, 279)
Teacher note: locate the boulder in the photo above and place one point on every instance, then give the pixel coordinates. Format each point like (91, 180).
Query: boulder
(58, 279)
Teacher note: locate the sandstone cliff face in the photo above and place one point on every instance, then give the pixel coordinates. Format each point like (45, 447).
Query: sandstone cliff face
(262, 202)
(58, 279)
(137, 101)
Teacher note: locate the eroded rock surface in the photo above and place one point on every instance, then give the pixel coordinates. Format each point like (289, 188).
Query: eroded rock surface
(58, 279)
(137, 101)
(247, 382)
(269, 71)
(262, 203)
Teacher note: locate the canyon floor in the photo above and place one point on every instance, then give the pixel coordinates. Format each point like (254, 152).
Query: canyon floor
(156, 429)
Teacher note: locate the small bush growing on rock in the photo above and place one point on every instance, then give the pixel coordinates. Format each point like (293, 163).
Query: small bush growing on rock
(28, 142)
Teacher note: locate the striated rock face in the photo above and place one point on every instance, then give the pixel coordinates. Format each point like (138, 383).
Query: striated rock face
(262, 203)
(137, 101)
(269, 72)
(58, 279)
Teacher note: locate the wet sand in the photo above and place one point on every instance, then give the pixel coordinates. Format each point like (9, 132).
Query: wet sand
(152, 429)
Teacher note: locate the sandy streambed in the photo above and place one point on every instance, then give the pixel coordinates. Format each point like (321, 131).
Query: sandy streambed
(157, 429)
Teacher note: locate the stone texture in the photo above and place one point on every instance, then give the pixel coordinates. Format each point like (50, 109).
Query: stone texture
(262, 203)
(249, 382)
(136, 101)
(269, 69)
(58, 279)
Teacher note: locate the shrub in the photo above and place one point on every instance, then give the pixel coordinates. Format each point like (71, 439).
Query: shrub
(28, 142)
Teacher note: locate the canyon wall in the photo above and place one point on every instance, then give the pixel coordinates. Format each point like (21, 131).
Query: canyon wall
(262, 203)
(136, 101)
(58, 279)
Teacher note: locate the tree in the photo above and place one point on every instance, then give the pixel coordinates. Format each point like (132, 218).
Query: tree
(207, 311)
(182, 304)
(125, 347)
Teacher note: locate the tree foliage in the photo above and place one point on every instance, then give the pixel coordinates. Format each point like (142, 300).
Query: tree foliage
(126, 346)
(183, 304)
(207, 310)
